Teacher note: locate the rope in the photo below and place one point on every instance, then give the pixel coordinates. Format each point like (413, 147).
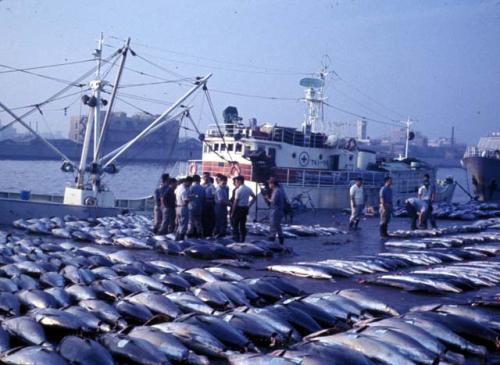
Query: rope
(210, 104)
(60, 92)
(203, 142)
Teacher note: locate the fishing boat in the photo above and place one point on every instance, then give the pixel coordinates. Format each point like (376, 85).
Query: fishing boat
(87, 196)
(310, 164)
(482, 163)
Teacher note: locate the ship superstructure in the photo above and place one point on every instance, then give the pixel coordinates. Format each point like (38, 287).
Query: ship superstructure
(305, 159)
(483, 167)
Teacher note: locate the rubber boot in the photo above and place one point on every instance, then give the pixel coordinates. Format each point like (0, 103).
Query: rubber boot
(383, 231)
(356, 224)
(386, 232)
(281, 240)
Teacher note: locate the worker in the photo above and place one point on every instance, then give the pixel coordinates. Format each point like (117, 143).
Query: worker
(427, 192)
(168, 208)
(197, 197)
(358, 201)
(221, 203)
(244, 198)
(182, 198)
(385, 197)
(276, 210)
(157, 210)
(208, 210)
(417, 209)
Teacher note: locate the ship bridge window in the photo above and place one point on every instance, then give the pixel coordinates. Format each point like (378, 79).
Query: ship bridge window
(230, 147)
(238, 147)
(216, 147)
(222, 146)
(320, 157)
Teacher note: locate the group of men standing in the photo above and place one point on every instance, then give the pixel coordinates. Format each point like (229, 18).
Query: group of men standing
(191, 207)
(419, 208)
(198, 207)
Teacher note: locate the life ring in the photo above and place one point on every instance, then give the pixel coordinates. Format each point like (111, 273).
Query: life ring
(235, 169)
(193, 168)
(351, 144)
(90, 201)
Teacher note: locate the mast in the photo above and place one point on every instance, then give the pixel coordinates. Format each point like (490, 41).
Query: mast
(199, 83)
(92, 125)
(97, 109)
(407, 145)
(313, 97)
(112, 101)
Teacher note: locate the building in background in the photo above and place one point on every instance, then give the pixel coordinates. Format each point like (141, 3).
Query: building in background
(163, 145)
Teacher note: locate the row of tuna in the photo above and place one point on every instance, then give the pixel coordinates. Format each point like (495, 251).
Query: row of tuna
(135, 231)
(384, 262)
(445, 242)
(433, 334)
(475, 227)
(67, 303)
(469, 211)
(454, 278)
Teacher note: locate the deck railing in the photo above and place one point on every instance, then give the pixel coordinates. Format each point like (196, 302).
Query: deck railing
(276, 134)
(313, 178)
(474, 151)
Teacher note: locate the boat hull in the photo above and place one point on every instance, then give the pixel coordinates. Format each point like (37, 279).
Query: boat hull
(484, 170)
(13, 209)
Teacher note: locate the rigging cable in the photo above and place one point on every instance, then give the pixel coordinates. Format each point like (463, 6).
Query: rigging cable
(361, 116)
(277, 70)
(45, 66)
(67, 82)
(188, 115)
(214, 115)
(39, 104)
(369, 97)
(60, 92)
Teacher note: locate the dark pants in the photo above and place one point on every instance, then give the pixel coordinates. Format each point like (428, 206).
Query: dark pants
(157, 218)
(208, 219)
(431, 217)
(220, 220)
(275, 217)
(239, 222)
(195, 229)
(385, 218)
(412, 213)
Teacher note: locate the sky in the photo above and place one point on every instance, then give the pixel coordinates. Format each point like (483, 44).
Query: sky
(434, 61)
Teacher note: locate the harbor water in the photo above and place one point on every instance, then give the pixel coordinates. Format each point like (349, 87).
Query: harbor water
(135, 180)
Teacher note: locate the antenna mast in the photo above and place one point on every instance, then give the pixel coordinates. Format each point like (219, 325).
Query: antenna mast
(313, 97)
(408, 125)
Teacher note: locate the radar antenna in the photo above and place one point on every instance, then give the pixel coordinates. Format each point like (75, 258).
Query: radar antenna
(314, 99)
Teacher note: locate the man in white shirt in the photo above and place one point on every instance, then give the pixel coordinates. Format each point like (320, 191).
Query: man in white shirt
(357, 198)
(240, 208)
(417, 209)
(427, 192)
(182, 199)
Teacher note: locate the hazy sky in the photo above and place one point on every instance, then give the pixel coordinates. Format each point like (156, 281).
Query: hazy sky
(435, 61)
